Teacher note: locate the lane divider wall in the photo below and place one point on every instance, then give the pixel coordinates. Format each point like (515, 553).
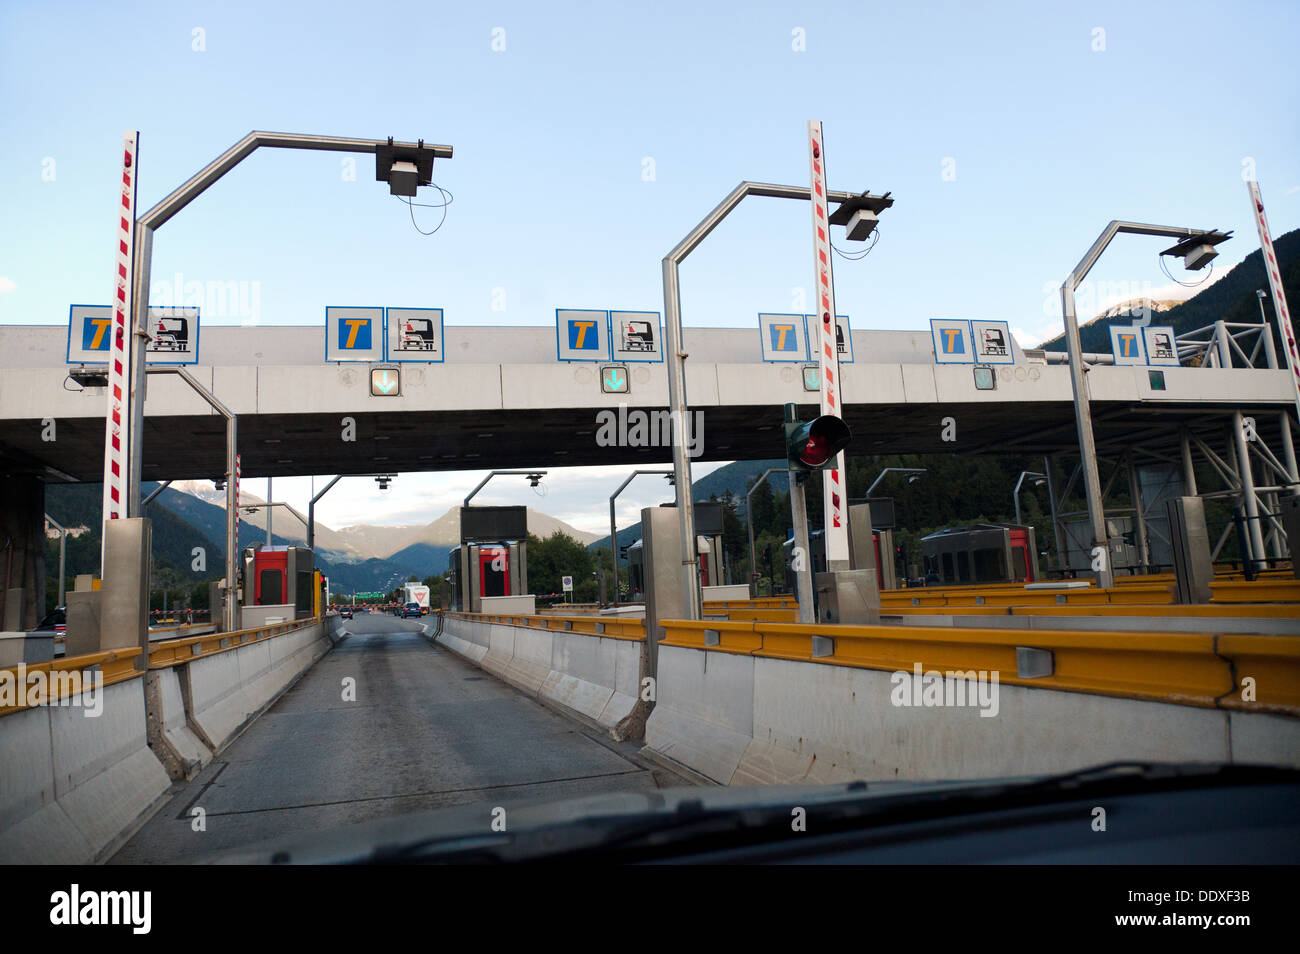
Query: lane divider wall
(204, 690)
(755, 702)
(74, 786)
(587, 665)
(72, 782)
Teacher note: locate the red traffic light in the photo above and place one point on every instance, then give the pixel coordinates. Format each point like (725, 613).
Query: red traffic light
(815, 444)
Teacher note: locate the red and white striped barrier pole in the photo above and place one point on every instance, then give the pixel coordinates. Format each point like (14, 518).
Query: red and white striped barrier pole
(116, 425)
(834, 494)
(232, 582)
(1276, 290)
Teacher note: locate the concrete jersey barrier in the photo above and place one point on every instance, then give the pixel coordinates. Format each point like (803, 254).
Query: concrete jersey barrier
(72, 786)
(592, 676)
(742, 718)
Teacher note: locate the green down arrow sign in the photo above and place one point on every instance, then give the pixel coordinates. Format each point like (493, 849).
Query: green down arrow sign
(385, 382)
(613, 380)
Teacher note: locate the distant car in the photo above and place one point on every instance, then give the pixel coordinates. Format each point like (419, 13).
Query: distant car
(345, 612)
(411, 609)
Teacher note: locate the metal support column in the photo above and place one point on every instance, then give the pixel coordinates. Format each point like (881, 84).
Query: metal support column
(311, 513)
(1250, 505)
(1056, 523)
(1189, 472)
(749, 519)
(1139, 514)
(802, 550)
(138, 369)
(63, 548)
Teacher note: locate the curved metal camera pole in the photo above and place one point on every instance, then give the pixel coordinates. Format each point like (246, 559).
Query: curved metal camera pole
(483, 483)
(677, 404)
(146, 224)
(230, 614)
(1079, 383)
(613, 527)
(749, 515)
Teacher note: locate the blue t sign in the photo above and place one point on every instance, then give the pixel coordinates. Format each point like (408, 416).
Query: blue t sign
(783, 337)
(583, 335)
(354, 334)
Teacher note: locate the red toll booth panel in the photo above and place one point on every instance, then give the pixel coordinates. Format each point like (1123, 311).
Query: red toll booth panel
(1022, 567)
(494, 571)
(270, 578)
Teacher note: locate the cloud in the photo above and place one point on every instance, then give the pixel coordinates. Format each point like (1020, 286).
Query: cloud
(7, 285)
(1291, 191)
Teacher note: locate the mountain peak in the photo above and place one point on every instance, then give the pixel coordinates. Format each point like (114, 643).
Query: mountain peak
(369, 541)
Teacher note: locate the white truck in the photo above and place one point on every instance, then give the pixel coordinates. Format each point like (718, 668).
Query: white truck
(416, 593)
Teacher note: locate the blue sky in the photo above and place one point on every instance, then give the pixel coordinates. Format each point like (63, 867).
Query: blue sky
(1043, 137)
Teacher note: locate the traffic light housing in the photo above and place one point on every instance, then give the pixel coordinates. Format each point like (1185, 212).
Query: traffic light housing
(813, 445)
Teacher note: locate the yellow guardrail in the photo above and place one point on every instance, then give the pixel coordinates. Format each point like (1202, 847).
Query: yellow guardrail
(1258, 591)
(1147, 595)
(65, 676)
(763, 615)
(1186, 669)
(611, 627)
(758, 602)
(1205, 610)
(165, 653)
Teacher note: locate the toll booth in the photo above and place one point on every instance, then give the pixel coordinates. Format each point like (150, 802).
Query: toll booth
(981, 553)
(322, 591)
(492, 559)
(879, 557)
(708, 544)
(280, 576)
(487, 570)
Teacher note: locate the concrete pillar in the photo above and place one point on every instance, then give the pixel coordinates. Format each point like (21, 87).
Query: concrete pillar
(22, 551)
(665, 587)
(124, 605)
(1190, 543)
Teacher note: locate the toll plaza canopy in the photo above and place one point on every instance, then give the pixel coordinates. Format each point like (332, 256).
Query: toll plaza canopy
(501, 398)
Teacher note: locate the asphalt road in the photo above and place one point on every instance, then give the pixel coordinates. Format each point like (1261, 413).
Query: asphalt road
(427, 730)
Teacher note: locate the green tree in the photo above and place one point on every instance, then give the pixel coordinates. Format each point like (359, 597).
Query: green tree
(735, 539)
(557, 556)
